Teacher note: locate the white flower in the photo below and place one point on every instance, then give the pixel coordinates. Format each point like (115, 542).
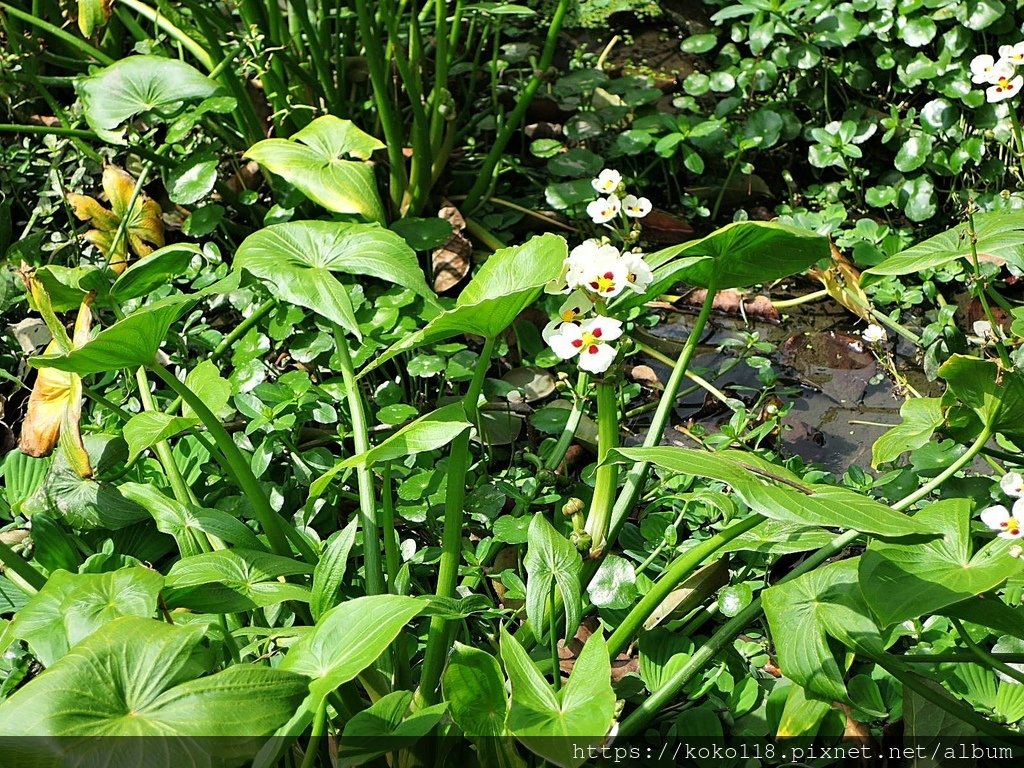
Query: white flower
(588, 340)
(1016, 551)
(607, 181)
(999, 519)
(636, 207)
(1004, 84)
(873, 334)
(1013, 54)
(982, 68)
(576, 305)
(983, 330)
(1012, 484)
(605, 209)
(638, 272)
(597, 268)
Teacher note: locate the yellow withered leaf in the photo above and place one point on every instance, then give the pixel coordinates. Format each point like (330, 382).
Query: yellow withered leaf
(144, 229)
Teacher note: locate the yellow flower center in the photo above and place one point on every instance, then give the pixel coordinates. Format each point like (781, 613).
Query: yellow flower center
(1004, 82)
(1011, 526)
(569, 315)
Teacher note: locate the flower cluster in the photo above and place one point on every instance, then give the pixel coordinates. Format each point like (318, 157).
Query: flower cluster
(999, 74)
(594, 272)
(609, 185)
(998, 518)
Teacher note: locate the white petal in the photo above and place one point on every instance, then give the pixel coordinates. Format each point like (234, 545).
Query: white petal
(562, 343)
(994, 517)
(1012, 484)
(551, 331)
(597, 361)
(1011, 535)
(609, 328)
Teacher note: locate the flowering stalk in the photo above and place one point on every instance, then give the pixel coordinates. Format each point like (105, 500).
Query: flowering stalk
(438, 643)
(606, 477)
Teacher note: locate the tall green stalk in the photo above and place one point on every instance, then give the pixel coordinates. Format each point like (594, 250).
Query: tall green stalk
(278, 532)
(373, 567)
(606, 477)
(451, 544)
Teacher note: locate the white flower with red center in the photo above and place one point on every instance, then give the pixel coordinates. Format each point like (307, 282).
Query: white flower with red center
(1012, 484)
(574, 307)
(588, 341)
(607, 181)
(1013, 54)
(638, 272)
(604, 209)
(597, 268)
(636, 207)
(998, 518)
(1004, 84)
(983, 68)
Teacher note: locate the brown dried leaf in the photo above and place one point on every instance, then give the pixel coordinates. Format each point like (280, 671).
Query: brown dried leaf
(451, 262)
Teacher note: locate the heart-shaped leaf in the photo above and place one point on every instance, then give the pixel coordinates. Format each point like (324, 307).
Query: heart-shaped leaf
(312, 161)
(551, 559)
(995, 396)
(737, 255)
(475, 691)
(138, 677)
(248, 579)
(296, 261)
(905, 582)
(508, 282)
(139, 85)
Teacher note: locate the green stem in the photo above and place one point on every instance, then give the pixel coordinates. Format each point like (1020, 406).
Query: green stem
(58, 33)
(451, 544)
(978, 288)
(387, 519)
(171, 31)
(606, 477)
(673, 576)
(163, 451)
(389, 118)
(374, 570)
(18, 565)
(725, 185)
(637, 474)
(700, 381)
(278, 532)
(512, 121)
(958, 658)
(984, 656)
(722, 638)
(319, 726)
(796, 301)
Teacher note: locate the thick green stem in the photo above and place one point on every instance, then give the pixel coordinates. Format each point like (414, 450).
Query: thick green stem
(984, 656)
(14, 563)
(278, 532)
(721, 639)
(451, 544)
(316, 734)
(389, 117)
(606, 477)
(677, 571)
(173, 32)
(637, 474)
(163, 452)
(512, 121)
(372, 565)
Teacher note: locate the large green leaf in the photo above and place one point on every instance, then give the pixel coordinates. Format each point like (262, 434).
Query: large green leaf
(427, 433)
(995, 396)
(249, 579)
(551, 560)
(904, 582)
(296, 261)
(803, 612)
(509, 281)
(313, 161)
(154, 271)
(385, 726)
(921, 416)
(330, 569)
(345, 641)
(138, 85)
(475, 691)
(560, 726)
(72, 606)
(1000, 235)
(128, 343)
(777, 494)
(740, 254)
(138, 677)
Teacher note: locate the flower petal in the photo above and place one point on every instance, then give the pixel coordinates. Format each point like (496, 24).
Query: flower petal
(994, 517)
